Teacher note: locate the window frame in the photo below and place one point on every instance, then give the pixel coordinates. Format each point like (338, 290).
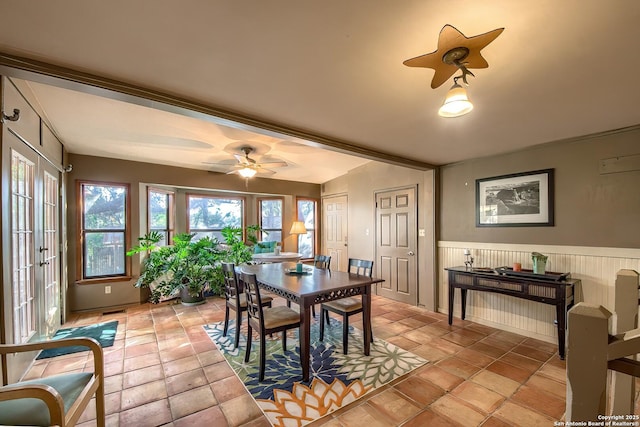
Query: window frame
(243, 215)
(259, 201)
(80, 240)
(171, 213)
(316, 224)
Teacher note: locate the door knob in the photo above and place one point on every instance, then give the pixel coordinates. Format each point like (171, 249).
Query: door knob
(42, 249)
(411, 253)
(44, 263)
(13, 118)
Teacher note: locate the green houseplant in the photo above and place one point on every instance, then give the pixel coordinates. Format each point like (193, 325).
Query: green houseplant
(236, 250)
(187, 268)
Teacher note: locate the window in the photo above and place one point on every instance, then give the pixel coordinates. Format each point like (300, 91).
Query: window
(161, 214)
(307, 214)
(208, 215)
(270, 215)
(104, 230)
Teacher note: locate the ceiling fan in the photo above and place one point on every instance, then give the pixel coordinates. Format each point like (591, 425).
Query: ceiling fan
(248, 167)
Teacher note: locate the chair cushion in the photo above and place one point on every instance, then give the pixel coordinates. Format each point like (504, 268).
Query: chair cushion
(243, 300)
(280, 316)
(345, 304)
(34, 412)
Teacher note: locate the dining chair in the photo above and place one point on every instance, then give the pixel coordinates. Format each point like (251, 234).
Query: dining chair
(265, 320)
(324, 262)
(346, 306)
(53, 400)
(235, 299)
(319, 261)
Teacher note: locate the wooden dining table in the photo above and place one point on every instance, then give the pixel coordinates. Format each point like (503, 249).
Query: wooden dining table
(314, 286)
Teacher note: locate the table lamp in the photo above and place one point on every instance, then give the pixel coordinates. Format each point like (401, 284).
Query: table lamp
(298, 228)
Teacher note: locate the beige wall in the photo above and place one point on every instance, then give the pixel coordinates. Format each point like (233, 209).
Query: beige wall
(596, 232)
(591, 209)
(138, 176)
(360, 186)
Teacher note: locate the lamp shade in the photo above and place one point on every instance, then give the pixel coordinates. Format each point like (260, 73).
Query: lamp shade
(298, 228)
(456, 103)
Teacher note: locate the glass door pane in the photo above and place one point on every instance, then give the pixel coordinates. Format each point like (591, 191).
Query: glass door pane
(22, 237)
(49, 253)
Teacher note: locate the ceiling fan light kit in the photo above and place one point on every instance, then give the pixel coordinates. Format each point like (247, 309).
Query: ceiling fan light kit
(247, 172)
(247, 167)
(455, 52)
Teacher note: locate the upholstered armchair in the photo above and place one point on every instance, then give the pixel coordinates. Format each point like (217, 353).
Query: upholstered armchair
(56, 400)
(264, 247)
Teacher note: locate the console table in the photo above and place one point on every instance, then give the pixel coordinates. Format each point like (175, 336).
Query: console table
(552, 288)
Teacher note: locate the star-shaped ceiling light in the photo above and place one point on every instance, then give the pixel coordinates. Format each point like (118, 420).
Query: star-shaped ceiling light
(455, 51)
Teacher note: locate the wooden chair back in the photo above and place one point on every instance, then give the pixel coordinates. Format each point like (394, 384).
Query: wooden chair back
(63, 406)
(360, 267)
(322, 261)
(254, 301)
(231, 289)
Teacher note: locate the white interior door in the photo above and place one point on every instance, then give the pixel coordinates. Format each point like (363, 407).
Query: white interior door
(396, 237)
(334, 224)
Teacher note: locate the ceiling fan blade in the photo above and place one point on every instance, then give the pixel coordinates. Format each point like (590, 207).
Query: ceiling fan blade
(264, 171)
(274, 164)
(241, 159)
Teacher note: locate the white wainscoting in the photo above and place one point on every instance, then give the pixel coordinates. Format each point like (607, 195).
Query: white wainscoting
(595, 267)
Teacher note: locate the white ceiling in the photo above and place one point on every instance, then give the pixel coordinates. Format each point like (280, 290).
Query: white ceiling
(99, 126)
(334, 68)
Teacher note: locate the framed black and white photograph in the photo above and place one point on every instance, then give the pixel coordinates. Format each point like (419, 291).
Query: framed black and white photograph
(517, 200)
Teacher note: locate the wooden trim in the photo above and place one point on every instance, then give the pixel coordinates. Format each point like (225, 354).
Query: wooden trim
(79, 234)
(56, 75)
(80, 279)
(171, 211)
(316, 223)
(100, 280)
(626, 366)
(259, 214)
(217, 196)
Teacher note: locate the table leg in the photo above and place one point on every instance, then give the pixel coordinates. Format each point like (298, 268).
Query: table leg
(366, 318)
(561, 315)
(451, 294)
(463, 302)
(305, 340)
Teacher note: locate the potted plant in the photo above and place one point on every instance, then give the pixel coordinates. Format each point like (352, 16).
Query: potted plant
(236, 250)
(187, 269)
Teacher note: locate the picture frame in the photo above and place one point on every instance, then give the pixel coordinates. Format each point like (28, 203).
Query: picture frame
(517, 200)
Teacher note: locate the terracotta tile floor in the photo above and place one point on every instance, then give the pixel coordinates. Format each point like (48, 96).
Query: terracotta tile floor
(164, 370)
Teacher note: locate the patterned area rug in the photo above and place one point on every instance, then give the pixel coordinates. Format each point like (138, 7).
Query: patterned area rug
(336, 379)
(105, 333)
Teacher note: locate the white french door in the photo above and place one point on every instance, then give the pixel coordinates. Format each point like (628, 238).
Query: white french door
(35, 244)
(23, 287)
(48, 251)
